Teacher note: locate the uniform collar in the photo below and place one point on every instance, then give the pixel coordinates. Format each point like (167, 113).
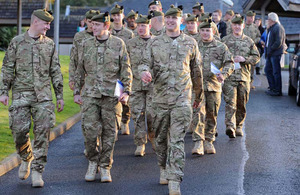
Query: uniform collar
(31, 40)
(97, 44)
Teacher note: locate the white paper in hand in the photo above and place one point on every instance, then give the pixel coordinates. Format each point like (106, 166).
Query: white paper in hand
(237, 66)
(214, 69)
(119, 89)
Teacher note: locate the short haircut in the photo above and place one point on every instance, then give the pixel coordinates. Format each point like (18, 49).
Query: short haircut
(218, 11)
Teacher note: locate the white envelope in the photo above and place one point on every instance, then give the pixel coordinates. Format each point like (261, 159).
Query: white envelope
(119, 89)
(237, 66)
(214, 69)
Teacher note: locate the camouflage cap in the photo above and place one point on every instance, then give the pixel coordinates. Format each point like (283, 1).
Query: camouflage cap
(43, 14)
(104, 17)
(207, 23)
(156, 13)
(198, 6)
(250, 13)
(205, 16)
(143, 19)
(154, 3)
(192, 18)
(230, 12)
(91, 13)
(117, 9)
(238, 19)
(132, 14)
(174, 11)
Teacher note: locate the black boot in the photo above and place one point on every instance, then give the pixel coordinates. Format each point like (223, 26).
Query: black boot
(257, 70)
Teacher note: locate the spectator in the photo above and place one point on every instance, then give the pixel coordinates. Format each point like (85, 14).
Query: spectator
(81, 26)
(274, 49)
(259, 44)
(216, 16)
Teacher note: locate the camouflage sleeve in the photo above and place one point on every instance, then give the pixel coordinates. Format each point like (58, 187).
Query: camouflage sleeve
(79, 75)
(228, 63)
(73, 61)
(147, 61)
(257, 36)
(56, 76)
(126, 74)
(196, 74)
(253, 57)
(8, 69)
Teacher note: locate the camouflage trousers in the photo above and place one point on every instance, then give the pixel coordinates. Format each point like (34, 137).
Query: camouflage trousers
(211, 106)
(24, 107)
(141, 109)
(170, 124)
(125, 114)
(236, 96)
(197, 123)
(100, 116)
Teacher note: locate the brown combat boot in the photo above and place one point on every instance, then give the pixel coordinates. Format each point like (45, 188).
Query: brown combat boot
(209, 147)
(174, 187)
(163, 176)
(24, 169)
(198, 148)
(140, 150)
(105, 175)
(37, 180)
(125, 128)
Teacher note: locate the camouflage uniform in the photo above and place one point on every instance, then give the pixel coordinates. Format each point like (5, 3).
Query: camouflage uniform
(236, 87)
(228, 29)
(141, 98)
(157, 32)
(28, 68)
(100, 66)
(175, 71)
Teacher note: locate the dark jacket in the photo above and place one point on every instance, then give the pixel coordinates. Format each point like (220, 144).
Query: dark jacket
(222, 26)
(275, 40)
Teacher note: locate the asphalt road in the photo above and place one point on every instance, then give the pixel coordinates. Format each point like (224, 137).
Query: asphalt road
(265, 161)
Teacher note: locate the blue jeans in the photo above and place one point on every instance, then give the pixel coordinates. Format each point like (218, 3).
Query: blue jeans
(273, 73)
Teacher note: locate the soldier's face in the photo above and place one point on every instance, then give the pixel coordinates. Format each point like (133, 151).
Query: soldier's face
(41, 26)
(192, 26)
(131, 21)
(155, 8)
(206, 34)
(98, 28)
(237, 28)
(249, 19)
(89, 25)
(143, 30)
(172, 23)
(117, 18)
(197, 12)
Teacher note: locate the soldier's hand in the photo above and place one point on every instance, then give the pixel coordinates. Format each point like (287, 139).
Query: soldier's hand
(239, 59)
(220, 77)
(196, 104)
(60, 105)
(124, 98)
(146, 77)
(71, 85)
(77, 99)
(4, 100)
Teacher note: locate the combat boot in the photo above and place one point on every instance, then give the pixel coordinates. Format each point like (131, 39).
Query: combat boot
(125, 128)
(230, 133)
(24, 169)
(209, 147)
(36, 179)
(140, 150)
(239, 131)
(91, 172)
(105, 175)
(174, 187)
(198, 148)
(163, 176)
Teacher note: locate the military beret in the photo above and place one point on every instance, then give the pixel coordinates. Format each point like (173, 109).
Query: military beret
(154, 3)
(230, 12)
(143, 19)
(117, 9)
(91, 13)
(155, 13)
(198, 6)
(43, 14)
(173, 11)
(104, 17)
(192, 18)
(205, 16)
(238, 19)
(250, 13)
(207, 23)
(132, 14)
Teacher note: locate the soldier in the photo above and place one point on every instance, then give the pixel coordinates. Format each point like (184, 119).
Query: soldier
(175, 72)
(192, 26)
(29, 65)
(103, 61)
(131, 24)
(252, 31)
(155, 6)
(157, 23)
(208, 16)
(227, 19)
(214, 53)
(236, 87)
(141, 97)
(198, 9)
(118, 30)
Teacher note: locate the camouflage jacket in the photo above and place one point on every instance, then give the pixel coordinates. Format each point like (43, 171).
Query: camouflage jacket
(31, 65)
(197, 36)
(217, 53)
(176, 66)
(136, 47)
(252, 32)
(125, 34)
(100, 66)
(135, 32)
(243, 46)
(228, 29)
(158, 32)
(76, 51)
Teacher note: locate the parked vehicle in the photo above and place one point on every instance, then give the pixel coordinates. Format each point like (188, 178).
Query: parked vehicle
(294, 77)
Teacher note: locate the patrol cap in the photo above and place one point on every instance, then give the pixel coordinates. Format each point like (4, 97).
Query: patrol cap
(117, 9)
(207, 23)
(104, 17)
(205, 16)
(91, 13)
(174, 11)
(238, 19)
(198, 6)
(192, 18)
(143, 19)
(250, 13)
(155, 13)
(230, 12)
(43, 14)
(132, 14)
(154, 3)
